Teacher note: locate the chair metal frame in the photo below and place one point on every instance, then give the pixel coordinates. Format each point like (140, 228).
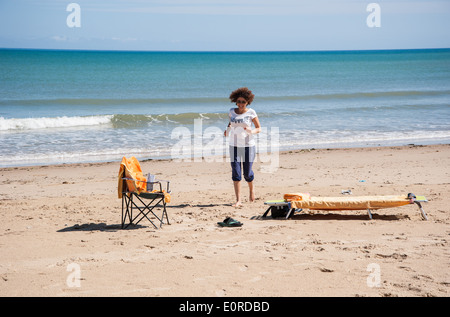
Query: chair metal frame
(134, 201)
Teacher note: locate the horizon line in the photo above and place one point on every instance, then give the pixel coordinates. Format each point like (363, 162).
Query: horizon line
(224, 51)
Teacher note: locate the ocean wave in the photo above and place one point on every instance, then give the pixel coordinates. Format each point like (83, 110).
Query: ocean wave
(87, 156)
(20, 124)
(358, 95)
(116, 121)
(394, 107)
(217, 100)
(133, 120)
(109, 101)
(337, 138)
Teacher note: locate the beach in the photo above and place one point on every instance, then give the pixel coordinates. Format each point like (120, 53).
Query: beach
(61, 236)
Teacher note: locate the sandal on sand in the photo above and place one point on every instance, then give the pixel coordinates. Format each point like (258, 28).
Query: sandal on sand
(230, 222)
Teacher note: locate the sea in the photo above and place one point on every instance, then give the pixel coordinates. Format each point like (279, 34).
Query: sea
(70, 106)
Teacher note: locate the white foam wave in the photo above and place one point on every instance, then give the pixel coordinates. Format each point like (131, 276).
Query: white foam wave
(302, 139)
(48, 122)
(84, 156)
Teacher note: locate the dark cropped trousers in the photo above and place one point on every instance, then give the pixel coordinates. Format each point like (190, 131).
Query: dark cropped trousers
(242, 160)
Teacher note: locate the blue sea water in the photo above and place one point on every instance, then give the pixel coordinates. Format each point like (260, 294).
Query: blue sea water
(93, 106)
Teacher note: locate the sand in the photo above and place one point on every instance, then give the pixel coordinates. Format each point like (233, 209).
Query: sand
(60, 230)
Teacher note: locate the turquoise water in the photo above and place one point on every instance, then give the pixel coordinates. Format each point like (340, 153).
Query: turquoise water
(85, 106)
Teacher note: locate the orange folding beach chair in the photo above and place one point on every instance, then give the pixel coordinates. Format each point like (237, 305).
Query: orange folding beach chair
(134, 189)
(296, 202)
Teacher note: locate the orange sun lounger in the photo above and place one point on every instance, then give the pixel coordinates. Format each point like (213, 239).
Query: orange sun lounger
(299, 201)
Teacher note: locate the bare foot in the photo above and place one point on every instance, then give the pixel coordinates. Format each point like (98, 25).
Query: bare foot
(238, 204)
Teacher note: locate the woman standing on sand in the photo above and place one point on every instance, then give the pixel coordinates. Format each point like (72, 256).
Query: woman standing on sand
(242, 143)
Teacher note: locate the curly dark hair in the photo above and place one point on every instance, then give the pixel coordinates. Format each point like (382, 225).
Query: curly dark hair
(243, 92)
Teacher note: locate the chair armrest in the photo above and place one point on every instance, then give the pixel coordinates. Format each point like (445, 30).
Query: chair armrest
(167, 186)
(155, 182)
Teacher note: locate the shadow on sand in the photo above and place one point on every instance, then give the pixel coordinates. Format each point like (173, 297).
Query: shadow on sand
(98, 227)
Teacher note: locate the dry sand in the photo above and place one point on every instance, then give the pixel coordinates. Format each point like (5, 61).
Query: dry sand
(57, 219)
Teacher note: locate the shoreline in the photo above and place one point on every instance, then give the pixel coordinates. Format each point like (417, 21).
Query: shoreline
(219, 157)
(57, 217)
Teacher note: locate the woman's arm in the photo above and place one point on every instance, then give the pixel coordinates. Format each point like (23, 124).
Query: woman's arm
(226, 130)
(257, 128)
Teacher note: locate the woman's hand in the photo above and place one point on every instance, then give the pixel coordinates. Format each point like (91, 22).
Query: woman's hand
(248, 130)
(225, 133)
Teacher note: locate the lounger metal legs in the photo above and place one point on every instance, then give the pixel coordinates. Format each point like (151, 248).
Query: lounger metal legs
(266, 212)
(369, 212)
(424, 215)
(289, 213)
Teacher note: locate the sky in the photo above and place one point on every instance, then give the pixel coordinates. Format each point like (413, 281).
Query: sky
(225, 25)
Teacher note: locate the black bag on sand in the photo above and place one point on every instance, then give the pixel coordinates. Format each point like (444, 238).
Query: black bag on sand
(280, 211)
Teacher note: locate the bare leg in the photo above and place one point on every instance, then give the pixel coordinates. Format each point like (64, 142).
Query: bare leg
(251, 191)
(237, 191)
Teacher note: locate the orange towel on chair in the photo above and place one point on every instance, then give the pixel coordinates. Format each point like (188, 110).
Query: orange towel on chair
(130, 168)
(166, 195)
